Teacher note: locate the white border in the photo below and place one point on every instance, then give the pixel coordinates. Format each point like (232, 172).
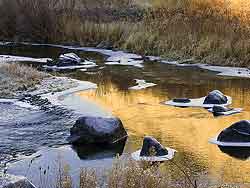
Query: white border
(197, 103)
(228, 144)
(171, 152)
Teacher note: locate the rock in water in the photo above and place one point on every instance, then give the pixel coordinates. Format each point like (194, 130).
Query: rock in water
(182, 100)
(70, 57)
(10, 181)
(151, 147)
(97, 130)
(217, 109)
(238, 132)
(215, 97)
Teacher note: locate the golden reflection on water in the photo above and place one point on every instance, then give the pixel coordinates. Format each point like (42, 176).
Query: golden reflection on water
(185, 129)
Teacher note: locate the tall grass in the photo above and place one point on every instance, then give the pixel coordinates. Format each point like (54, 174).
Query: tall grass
(15, 78)
(211, 31)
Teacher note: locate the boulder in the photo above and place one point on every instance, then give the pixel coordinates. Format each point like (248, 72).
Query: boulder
(215, 97)
(97, 130)
(10, 181)
(217, 109)
(242, 153)
(238, 132)
(69, 58)
(151, 147)
(182, 100)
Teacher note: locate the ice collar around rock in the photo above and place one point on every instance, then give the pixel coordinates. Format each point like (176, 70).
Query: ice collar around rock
(224, 111)
(153, 151)
(141, 84)
(213, 98)
(237, 135)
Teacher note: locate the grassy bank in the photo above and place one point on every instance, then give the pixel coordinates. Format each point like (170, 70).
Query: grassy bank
(16, 79)
(127, 173)
(212, 31)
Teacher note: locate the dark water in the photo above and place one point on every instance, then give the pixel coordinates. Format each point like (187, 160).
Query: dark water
(187, 130)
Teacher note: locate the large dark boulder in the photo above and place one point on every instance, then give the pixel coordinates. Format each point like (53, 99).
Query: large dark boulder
(242, 153)
(10, 181)
(97, 130)
(238, 132)
(151, 147)
(215, 97)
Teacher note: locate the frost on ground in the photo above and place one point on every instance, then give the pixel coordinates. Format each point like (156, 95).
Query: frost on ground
(10, 58)
(17, 80)
(142, 84)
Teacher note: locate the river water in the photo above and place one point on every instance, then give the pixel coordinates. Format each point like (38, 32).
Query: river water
(187, 130)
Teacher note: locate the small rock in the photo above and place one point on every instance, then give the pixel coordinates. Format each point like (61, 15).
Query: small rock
(215, 97)
(182, 100)
(69, 58)
(217, 109)
(151, 147)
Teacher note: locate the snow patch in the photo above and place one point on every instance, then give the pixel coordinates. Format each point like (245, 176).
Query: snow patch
(10, 58)
(83, 65)
(142, 84)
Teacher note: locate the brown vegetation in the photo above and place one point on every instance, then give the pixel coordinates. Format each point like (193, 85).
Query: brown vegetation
(16, 78)
(212, 31)
(131, 174)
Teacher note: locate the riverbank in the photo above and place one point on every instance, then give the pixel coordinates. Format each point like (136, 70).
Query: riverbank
(210, 32)
(19, 80)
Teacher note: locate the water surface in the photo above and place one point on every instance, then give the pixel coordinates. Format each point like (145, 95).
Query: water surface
(185, 129)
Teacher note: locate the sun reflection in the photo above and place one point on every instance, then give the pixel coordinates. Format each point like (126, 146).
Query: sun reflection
(186, 129)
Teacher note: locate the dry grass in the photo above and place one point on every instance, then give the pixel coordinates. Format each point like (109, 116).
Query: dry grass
(212, 31)
(15, 78)
(23, 72)
(131, 174)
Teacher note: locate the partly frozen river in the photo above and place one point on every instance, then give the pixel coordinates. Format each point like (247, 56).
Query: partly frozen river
(24, 132)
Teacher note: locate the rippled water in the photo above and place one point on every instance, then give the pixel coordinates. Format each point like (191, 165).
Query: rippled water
(185, 129)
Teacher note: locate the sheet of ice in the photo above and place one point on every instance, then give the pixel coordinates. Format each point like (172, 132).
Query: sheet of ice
(57, 97)
(115, 55)
(142, 84)
(83, 70)
(153, 58)
(11, 58)
(19, 103)
(197, 103)
(228, 113)
(127, 63)
(228, 71)
(171, 152)
(83, 65)
(228, 144)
